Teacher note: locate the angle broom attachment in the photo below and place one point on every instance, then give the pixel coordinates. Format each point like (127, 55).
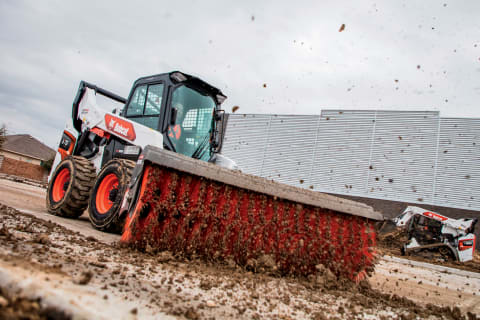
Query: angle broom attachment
(195, 208)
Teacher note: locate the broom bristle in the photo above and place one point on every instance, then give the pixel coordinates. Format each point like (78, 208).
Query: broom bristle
(196, 216)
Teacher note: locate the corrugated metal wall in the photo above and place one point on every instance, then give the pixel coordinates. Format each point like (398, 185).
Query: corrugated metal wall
(457, 182)
(246, 140)
(395, 155)
(342, 152)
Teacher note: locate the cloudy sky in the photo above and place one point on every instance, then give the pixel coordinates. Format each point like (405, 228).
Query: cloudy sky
(395, 55)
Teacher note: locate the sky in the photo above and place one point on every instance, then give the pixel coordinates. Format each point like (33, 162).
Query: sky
(269, 57)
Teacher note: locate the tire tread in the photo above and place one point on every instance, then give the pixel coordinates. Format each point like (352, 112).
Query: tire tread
(76, 201)
(115, 225)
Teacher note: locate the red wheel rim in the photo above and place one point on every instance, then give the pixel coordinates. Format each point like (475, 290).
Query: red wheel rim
(102, 199)
(62, 179)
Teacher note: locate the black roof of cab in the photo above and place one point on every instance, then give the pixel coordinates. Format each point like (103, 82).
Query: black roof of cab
(173, 77)
(189, 80)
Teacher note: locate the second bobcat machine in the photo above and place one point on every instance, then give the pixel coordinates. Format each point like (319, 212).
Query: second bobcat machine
(453, 239)
(154, 170)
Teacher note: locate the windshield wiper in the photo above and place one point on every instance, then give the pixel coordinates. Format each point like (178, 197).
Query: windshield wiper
(199, 152)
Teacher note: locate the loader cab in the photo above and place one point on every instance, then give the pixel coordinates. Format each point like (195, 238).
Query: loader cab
(185, 109)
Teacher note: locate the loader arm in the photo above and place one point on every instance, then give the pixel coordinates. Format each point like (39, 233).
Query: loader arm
(77, 123)
(402, 219)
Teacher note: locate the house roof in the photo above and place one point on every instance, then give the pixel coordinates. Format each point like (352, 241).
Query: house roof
(27, 145)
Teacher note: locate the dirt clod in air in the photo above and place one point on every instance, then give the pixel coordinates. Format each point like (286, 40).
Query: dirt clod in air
(342, 27)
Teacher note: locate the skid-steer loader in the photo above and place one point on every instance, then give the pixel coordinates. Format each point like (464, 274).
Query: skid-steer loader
(142, 169)
(98, 149)
(453, 239)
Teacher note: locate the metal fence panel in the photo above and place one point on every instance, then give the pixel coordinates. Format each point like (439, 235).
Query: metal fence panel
(458, 170)
(342, 152)
(403, 156)
(290, 147)
(409, 156)
(245, 141)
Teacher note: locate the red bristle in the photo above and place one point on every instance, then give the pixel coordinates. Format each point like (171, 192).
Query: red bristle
(190, 214)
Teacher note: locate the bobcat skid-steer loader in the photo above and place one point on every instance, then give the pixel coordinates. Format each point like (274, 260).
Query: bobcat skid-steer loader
(98, 149)
(155, 170)
(429, 231)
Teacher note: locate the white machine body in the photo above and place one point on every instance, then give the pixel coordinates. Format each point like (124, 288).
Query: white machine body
(456, 234)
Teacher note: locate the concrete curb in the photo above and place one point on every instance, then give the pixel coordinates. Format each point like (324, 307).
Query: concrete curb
(23, 180)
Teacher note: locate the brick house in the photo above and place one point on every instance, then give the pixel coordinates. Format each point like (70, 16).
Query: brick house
(22, 155)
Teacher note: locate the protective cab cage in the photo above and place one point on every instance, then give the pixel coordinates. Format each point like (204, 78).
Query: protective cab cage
(88, 142)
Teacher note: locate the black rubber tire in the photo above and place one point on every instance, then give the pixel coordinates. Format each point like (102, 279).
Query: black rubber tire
(77, 189)
(111, 221)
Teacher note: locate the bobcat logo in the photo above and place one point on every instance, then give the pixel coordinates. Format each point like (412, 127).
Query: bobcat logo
(120, 126)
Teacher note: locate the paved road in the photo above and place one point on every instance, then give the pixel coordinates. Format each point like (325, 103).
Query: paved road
(31, 199)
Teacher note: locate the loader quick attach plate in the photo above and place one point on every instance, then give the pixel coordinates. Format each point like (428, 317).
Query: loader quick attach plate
(197, 208)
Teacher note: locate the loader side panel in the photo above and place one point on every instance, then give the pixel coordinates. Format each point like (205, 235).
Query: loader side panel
(194, 215)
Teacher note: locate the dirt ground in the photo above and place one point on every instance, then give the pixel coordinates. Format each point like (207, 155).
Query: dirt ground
(54, 268)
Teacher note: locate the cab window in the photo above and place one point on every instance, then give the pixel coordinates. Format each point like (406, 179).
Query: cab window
(190, 135)
(144, 107)
(135, 107)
